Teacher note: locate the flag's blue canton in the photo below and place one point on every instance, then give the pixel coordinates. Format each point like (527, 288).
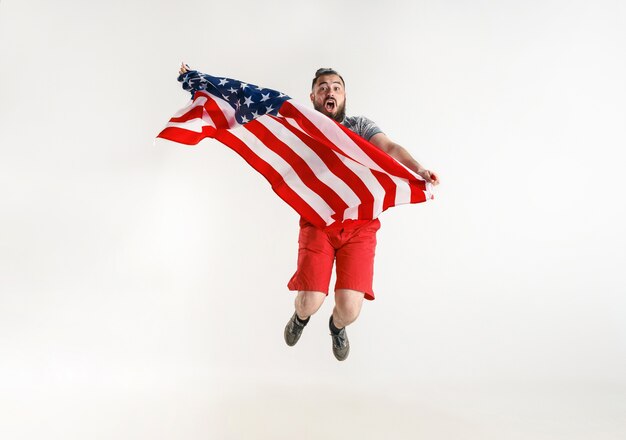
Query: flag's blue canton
(248, 100)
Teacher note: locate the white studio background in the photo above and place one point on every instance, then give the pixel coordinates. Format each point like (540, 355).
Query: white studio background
(143, 287)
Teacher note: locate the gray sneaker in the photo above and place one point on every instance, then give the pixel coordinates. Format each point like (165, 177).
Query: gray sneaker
(341, 345)
(293, 330)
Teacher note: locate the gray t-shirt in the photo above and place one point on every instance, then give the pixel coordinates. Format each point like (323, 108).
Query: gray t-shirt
(364, 127)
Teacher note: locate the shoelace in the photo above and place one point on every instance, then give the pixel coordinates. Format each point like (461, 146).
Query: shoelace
(339, 339)
(295, 327)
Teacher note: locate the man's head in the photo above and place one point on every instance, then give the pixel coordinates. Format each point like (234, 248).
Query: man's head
(328, 93)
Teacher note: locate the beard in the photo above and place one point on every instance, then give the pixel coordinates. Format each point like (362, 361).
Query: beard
(338, 116)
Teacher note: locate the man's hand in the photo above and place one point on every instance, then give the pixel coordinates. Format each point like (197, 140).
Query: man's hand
(429, 176)
(184, 68)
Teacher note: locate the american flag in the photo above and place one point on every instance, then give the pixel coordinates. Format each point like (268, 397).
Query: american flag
(323, 170)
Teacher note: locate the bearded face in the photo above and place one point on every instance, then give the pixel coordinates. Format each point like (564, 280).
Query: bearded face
(328, 97)
(331, 109)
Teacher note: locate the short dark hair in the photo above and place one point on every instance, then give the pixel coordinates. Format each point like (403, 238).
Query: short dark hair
(326, 71)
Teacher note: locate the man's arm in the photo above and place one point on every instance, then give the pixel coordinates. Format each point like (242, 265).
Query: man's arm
(402, 155)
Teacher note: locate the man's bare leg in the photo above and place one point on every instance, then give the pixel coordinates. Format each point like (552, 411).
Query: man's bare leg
(347, 309)
(307, 303)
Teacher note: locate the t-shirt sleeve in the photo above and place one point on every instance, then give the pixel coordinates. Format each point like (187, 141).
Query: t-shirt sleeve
(366, 128)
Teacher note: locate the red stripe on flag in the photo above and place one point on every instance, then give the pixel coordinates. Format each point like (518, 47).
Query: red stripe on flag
(417, 191)
(390, 189)
(215, 112)
(195, 113)
(187, 137)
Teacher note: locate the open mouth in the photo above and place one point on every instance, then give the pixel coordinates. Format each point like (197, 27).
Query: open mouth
(330, 105)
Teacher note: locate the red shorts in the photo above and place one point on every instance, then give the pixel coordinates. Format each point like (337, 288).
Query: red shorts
(352, 243)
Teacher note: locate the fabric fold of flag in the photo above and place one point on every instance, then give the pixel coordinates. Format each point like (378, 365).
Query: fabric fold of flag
(320, 168)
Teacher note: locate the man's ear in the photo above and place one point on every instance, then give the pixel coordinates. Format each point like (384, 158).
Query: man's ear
(312, 97)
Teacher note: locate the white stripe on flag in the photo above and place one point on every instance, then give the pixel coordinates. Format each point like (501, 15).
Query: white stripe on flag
(196, 103)
(194, 125)
(403, 191)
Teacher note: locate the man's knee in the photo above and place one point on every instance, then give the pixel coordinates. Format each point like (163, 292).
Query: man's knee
(348, 313)
(308, 302)
(348, 305)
